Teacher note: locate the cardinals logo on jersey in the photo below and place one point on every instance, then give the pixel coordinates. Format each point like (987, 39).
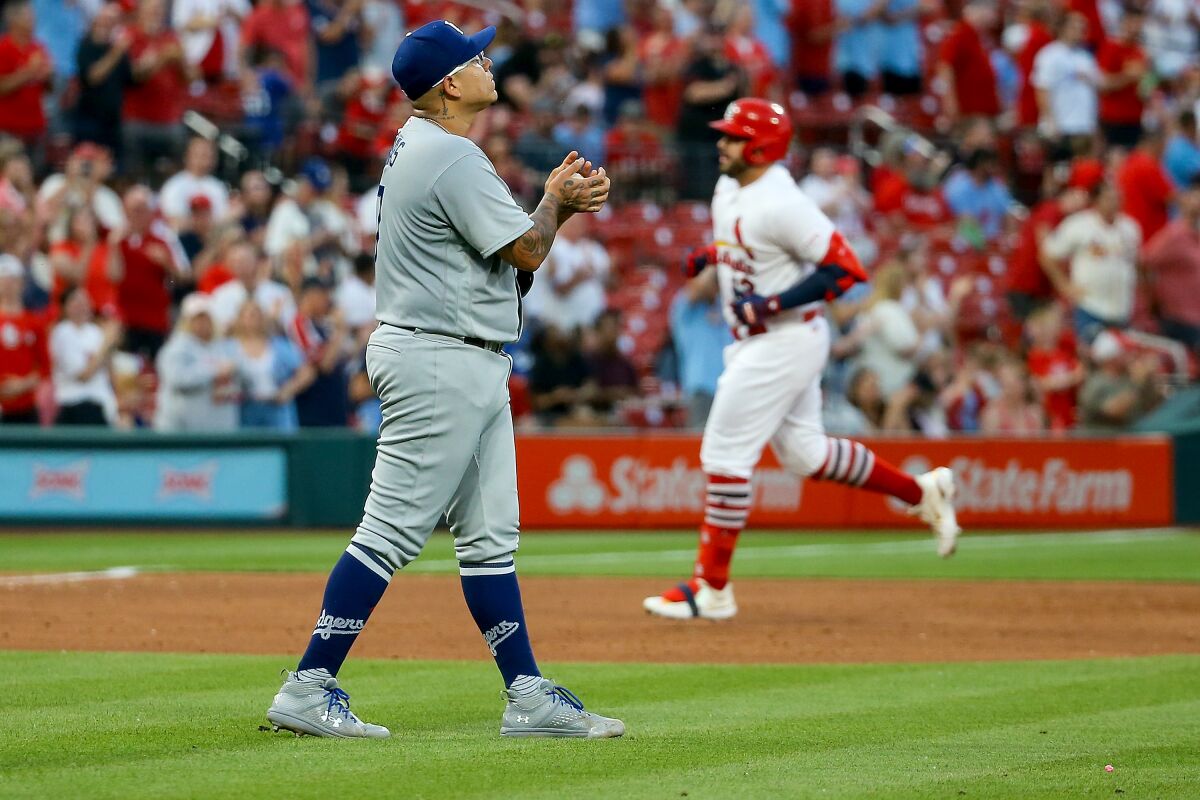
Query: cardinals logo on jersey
(737, 235)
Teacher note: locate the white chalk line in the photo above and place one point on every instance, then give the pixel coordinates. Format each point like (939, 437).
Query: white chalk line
(111, 574)
(822, 550)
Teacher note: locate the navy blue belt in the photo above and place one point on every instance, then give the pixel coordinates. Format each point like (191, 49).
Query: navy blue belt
(474, 341)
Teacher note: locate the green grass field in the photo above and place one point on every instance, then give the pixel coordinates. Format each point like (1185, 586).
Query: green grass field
(141, 725)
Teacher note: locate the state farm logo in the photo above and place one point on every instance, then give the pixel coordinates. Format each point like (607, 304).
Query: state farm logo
(635, 485)
(69, 480)
(1053, 487)
(577, 488)
(196, 482)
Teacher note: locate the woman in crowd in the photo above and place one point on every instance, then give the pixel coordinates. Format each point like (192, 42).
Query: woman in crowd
(1015, 410)
(196, 386)
(886, 332)
(80, 351)
(270, 372)
(80, 260)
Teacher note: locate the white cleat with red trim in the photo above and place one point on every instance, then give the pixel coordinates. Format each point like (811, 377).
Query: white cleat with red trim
(936, 508)
(693, 599)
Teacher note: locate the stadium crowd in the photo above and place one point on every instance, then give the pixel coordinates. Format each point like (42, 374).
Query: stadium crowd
(187, 204)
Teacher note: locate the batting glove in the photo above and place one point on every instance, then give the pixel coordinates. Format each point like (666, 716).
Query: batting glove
(698, 259)
(754, 309)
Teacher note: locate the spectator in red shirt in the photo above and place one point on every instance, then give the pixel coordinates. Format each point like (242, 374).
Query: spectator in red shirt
(964, 67)
(281, 25)
(1172, 261)
(1054, 366)
(140, 261)
(153, 107)
(363, 117)
(1030, 279)
(635, 154)
(911, 197)
(813, 27)
(742, 49)
(663, 56)
(23, 358)
(1090, 9)
(25, 72)
(1039, 35)
(81, 259)
(1122, 67)
(1146, 188)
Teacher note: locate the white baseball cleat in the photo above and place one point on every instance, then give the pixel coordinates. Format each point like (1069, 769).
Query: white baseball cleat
(936, 508)
(693, 599)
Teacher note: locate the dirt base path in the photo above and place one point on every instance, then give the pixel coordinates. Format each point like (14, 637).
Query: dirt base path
(600, 619)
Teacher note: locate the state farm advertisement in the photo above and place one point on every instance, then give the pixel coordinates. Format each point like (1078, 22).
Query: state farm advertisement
(655, 481)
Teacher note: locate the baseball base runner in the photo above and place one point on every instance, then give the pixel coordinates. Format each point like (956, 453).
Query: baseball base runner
(778, 260)
(450, 236)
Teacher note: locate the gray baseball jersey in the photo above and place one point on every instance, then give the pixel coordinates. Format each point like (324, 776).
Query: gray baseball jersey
(443, 214)
(446, 442)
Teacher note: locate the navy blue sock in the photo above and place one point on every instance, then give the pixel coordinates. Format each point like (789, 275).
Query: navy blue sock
(494, 598)
(357, 581)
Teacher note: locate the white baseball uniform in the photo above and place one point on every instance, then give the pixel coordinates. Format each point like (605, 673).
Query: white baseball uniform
(769, 236)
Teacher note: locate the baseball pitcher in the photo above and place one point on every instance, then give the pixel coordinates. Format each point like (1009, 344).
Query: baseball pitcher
(778, 260)
(450, 236)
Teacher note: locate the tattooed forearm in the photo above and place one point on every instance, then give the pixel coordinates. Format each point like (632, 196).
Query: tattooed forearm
(529, 250)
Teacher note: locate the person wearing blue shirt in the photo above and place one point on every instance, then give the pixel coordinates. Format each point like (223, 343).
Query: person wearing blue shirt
(60, 25)
(1182, 156)
(769, 28)
(335, 27)
(580, 132)
(856, 51)
(265, 89)
(598, 16)
(700, 334)
(973, 190)
(900, 57)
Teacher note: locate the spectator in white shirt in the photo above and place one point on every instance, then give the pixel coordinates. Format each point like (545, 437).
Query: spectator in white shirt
(250, 280)
(1100, 246)
(306, 228)
(196, 179)
(889, 338)
(1172, 36)
(1066, 79)
(81, 183)
(570, 290)
(833, 185)
(79, 352)
(355, 295)
(209, 31)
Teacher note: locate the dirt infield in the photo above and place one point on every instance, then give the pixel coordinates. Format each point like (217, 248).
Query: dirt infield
(600, 619)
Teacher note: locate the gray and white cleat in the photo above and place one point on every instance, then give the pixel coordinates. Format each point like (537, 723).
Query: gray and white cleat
(553, 711)
(317, 707)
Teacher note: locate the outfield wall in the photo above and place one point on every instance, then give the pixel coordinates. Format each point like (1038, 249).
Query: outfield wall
(627, 480)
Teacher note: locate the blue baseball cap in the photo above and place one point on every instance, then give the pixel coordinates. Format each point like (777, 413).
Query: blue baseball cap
(432, 52)
(317, 172)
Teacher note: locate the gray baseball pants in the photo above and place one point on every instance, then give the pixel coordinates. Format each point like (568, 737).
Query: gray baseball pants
(445, 446)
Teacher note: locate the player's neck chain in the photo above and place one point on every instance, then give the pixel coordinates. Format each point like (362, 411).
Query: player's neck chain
(434, 121)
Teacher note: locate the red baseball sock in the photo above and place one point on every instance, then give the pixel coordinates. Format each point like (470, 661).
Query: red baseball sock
(726, 507)
(854, 464)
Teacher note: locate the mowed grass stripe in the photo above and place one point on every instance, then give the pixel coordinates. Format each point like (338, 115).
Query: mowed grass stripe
(131, 725)
(1170, 555)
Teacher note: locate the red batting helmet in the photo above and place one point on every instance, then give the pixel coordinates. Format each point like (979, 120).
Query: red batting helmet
(764, 125)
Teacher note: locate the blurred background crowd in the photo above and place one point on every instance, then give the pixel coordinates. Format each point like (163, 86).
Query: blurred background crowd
(187, 204)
